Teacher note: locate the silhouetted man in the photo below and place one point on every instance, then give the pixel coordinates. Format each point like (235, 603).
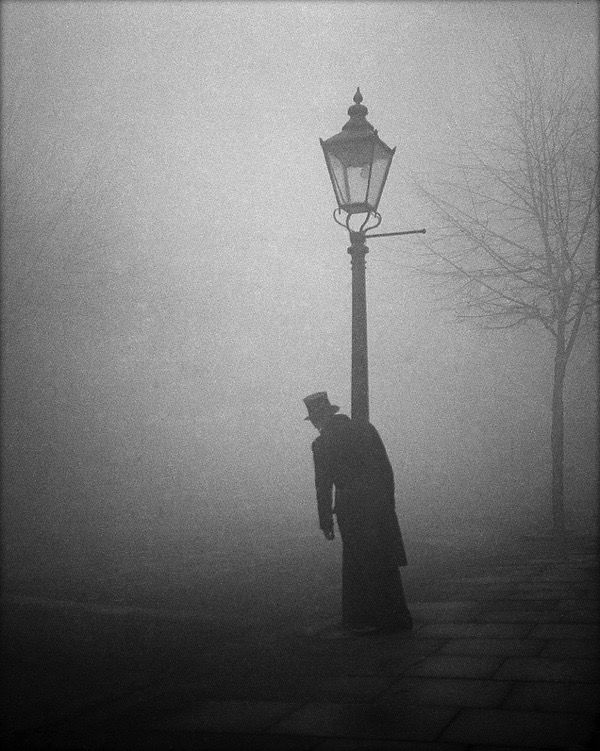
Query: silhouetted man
(350, 455)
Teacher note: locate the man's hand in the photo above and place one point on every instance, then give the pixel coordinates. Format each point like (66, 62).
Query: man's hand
(329, 534)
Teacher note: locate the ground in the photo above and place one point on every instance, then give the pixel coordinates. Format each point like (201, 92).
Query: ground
(211, 649)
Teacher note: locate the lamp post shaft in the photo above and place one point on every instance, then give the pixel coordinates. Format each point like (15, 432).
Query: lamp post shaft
(360, 361)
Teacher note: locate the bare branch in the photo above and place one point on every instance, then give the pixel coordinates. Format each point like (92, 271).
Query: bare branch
(519, 223)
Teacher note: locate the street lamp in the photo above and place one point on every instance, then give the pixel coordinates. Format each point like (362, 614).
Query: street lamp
(358, 162)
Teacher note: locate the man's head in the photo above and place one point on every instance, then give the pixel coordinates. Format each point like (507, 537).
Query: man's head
(319, 409)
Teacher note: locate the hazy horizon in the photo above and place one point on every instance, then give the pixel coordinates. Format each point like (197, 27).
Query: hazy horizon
(169, 316)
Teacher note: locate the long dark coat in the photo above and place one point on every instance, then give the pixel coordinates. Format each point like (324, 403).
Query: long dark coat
(350, 456)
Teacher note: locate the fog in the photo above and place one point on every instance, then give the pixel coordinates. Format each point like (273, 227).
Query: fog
(174, 284)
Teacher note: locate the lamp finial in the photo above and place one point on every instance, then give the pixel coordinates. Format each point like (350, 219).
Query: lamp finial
(357, 113)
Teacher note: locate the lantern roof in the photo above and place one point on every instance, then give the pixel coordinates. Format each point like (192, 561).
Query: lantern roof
(357, 127)
(358, 115)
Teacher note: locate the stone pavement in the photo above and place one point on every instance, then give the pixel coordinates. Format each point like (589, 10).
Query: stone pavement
(503, 656)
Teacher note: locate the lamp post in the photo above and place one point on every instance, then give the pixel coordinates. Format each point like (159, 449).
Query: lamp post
(358, 162)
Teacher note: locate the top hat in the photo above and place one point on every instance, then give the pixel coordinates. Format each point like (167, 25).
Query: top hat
(318, 405)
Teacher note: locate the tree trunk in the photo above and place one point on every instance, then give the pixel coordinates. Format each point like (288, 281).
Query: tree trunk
(558, 444)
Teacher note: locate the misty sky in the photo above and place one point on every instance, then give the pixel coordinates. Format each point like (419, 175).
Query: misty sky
(167, 360)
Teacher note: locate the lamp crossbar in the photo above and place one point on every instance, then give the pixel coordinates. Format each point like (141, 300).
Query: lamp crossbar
(392, 234)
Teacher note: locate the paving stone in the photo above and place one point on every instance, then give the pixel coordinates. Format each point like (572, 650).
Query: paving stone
(347, 688)
(504, 727)
(548, 669)
(443, 612)
(568, 603)
(386, 658)
(371, 664)
(563, 590)
(571, 648)
(93, 742)
(183, 742)
(485, 594)
(506, 578)
(527, 604)
(518, 616)
(536, 594)
(389, 647)
(554, 697)
(568, 577)
(60, 697)
(231, 742)
(468, 630)
(226, 716)
(591, 597)
(452, 692)
(507, 647)
(456, 666)
(263, 685)
(482, 589)
(375, 744)
(565, 631)
(583, 615)
(404, 722)
(478, 580)
(582, 607)
(513, 748)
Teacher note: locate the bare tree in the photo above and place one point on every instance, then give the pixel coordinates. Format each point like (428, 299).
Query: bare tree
(519, 222)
